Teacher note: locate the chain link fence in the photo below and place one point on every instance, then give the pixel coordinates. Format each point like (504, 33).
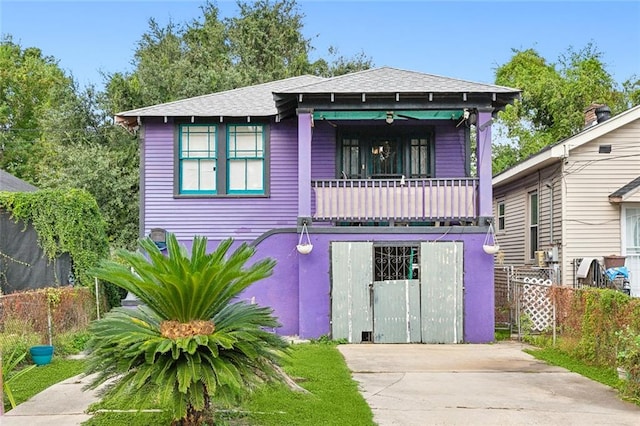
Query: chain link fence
(522, 299)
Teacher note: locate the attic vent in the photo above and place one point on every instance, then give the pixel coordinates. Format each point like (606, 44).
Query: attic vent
(604, 149)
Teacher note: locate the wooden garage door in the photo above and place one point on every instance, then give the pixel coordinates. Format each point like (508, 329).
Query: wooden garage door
(441, 284)
(350, 292)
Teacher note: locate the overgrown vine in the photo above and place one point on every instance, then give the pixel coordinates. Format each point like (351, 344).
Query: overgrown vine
(66, 221)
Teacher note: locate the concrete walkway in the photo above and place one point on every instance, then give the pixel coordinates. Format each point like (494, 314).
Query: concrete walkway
(495, 384)
(63, 404)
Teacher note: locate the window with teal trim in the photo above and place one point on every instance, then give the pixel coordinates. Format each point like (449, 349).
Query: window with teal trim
(198, 159)
(245, 159)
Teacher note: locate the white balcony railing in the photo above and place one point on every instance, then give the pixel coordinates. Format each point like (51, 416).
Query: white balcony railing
(395, 199)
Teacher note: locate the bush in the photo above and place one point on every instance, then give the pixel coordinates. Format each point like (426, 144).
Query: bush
(628, 356)
(600, 327)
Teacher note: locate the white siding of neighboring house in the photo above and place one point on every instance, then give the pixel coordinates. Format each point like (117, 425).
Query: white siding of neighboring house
(514, 239)
(591, 225)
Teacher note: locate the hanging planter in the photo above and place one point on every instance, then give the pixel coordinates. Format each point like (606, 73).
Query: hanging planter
(490, 245)
(304, 244)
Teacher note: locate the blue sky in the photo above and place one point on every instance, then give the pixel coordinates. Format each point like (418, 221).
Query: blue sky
(460, 39)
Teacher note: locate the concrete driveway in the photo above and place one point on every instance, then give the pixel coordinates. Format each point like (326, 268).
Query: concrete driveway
(496, 384)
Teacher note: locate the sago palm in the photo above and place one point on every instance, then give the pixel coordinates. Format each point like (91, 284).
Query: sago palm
(190, 341)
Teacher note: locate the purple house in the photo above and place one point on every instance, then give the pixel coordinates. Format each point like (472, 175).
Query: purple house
(364, 187)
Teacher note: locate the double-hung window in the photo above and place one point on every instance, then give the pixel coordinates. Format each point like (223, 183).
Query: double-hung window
(221, 159)
(245, 159)
(198, 159)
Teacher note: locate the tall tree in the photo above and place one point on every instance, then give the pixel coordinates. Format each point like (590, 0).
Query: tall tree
(554, 97)
(31, 86)
(264, 42)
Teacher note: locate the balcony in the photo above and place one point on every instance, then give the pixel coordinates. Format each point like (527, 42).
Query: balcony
(405, 200)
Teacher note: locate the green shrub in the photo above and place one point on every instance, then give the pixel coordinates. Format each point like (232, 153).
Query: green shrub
(71, 343)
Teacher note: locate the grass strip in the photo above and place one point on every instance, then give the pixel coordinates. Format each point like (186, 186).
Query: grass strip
(333, 400)
(553, 356)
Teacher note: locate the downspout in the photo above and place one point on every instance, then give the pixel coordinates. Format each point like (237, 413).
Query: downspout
(550, 186)
(563, 230)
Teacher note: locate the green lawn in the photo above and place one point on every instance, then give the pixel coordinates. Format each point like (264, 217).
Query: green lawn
(333, 399)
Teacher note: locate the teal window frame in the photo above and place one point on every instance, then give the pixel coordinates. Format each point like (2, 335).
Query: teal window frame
(210, 153)
(246, 155)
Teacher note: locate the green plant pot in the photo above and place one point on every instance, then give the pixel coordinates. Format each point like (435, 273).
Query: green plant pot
(42, 354)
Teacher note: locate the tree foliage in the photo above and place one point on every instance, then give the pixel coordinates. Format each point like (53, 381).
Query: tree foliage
(264, 42)
(31, 85)
(554, 98)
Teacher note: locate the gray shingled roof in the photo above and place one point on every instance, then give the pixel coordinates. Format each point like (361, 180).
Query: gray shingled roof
(255, 101)
(626, 189)
(258, 101)
(10, 183)
(393, 80)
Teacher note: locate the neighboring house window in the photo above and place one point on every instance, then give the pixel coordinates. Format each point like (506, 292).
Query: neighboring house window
(198, 159)
(245, 159)
(533, 224)
(396, 263)
(500, 216)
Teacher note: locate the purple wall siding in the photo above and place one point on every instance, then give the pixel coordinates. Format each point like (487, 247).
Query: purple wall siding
(219, 218)
(450, 150)
(323, 151)
(307, 309)
(280, 291)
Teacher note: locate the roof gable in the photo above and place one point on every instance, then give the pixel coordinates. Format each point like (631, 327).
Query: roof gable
(630, 190)
(553, 153)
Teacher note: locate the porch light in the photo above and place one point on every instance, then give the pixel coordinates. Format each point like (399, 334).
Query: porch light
(389, 118)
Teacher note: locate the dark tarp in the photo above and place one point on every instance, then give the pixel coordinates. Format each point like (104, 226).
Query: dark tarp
(23, 264)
